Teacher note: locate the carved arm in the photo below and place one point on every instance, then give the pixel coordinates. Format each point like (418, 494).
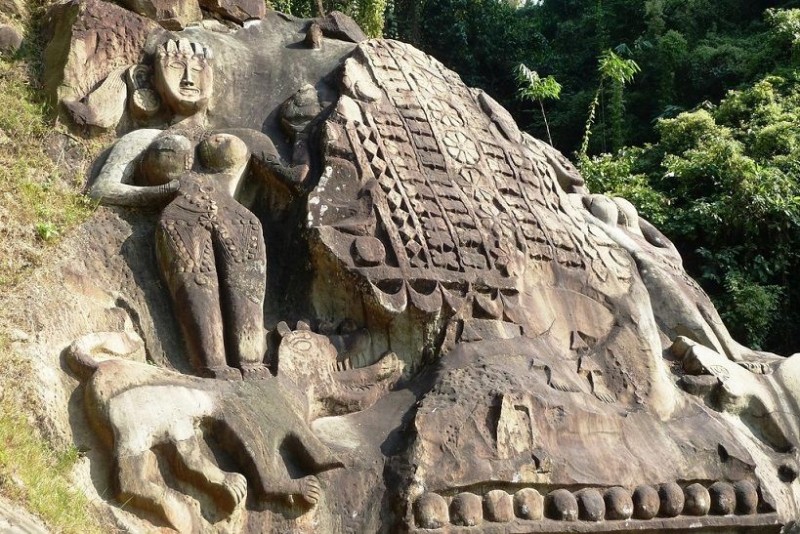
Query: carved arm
(114, 183)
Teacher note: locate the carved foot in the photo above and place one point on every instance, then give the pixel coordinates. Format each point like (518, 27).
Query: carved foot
(310, 489)
(233, 490)
(223, 372)
(255, 371)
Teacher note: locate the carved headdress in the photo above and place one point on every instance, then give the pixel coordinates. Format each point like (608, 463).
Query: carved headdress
(184, 47)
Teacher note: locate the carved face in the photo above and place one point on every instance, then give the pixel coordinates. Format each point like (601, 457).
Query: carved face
(184, 78)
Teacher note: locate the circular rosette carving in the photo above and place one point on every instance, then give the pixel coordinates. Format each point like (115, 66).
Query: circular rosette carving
(443, 113)
(430, 84)
(478, 187)
(461, 148)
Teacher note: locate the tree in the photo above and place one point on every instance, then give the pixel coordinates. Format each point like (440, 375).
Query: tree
(618, 72)
(535, 88)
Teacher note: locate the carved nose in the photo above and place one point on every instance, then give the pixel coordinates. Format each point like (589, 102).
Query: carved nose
(187, 80)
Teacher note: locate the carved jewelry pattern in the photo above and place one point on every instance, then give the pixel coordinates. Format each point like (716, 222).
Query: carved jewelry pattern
(455, 200)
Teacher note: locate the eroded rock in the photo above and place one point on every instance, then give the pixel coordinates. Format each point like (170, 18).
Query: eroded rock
(470, 320)
(236, 10)
(172, 15)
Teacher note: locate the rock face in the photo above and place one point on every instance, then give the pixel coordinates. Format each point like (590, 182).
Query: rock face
(236, 10)
(372, 304)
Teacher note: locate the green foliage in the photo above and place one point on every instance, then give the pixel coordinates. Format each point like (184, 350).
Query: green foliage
(729, 175)
(616, 69)
(617, 72)
(785, 29)
(535, 88)
(620, 175)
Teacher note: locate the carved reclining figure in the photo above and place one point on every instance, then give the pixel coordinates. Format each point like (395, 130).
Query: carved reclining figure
(252, 421)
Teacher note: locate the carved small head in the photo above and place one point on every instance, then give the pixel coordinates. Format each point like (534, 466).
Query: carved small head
(184, 76)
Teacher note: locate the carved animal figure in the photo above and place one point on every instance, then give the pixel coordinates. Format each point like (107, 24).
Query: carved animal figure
(251, 421)
(332, 388)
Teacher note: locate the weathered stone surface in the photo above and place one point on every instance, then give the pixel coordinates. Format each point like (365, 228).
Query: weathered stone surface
(698, 501)
(561, 505)
(10, 39)
(619, 504)
(672, 500)
(236, 10)
(469, 318)
(89, 40)
(646, 502)
(337, 25)
(746, 497)
(723, 498)
(118, 398)
(466, 510)
(430, 511)
(591, 505)
(171, 14)
(529, 504)
(498, 506)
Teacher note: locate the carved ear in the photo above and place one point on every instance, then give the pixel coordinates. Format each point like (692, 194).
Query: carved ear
(143, 102)
(282, 329)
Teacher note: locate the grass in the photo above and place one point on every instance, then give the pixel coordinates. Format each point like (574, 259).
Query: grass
(39, 204)
(39, 201)
(32, 472)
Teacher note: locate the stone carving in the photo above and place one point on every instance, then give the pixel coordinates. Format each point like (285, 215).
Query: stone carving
(75, 60)
(493, 347)
(249, 422)
(758, 397)
(336, 388)
(528, 509)
(210, 248)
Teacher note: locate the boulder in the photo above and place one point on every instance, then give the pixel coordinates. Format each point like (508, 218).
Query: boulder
(172, 15)
(236, 10)
(337, 25)
(88, 40)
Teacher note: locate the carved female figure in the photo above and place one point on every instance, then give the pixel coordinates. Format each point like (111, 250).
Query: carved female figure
(209, 247)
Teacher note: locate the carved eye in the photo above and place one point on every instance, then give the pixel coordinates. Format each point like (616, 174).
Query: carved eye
(177, 65)
(197, 67)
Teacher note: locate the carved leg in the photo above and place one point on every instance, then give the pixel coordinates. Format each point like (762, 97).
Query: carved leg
(228, 489)
(256, 449)
(389, 366)
(186, 259)
(243, 284)
(139, 486)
